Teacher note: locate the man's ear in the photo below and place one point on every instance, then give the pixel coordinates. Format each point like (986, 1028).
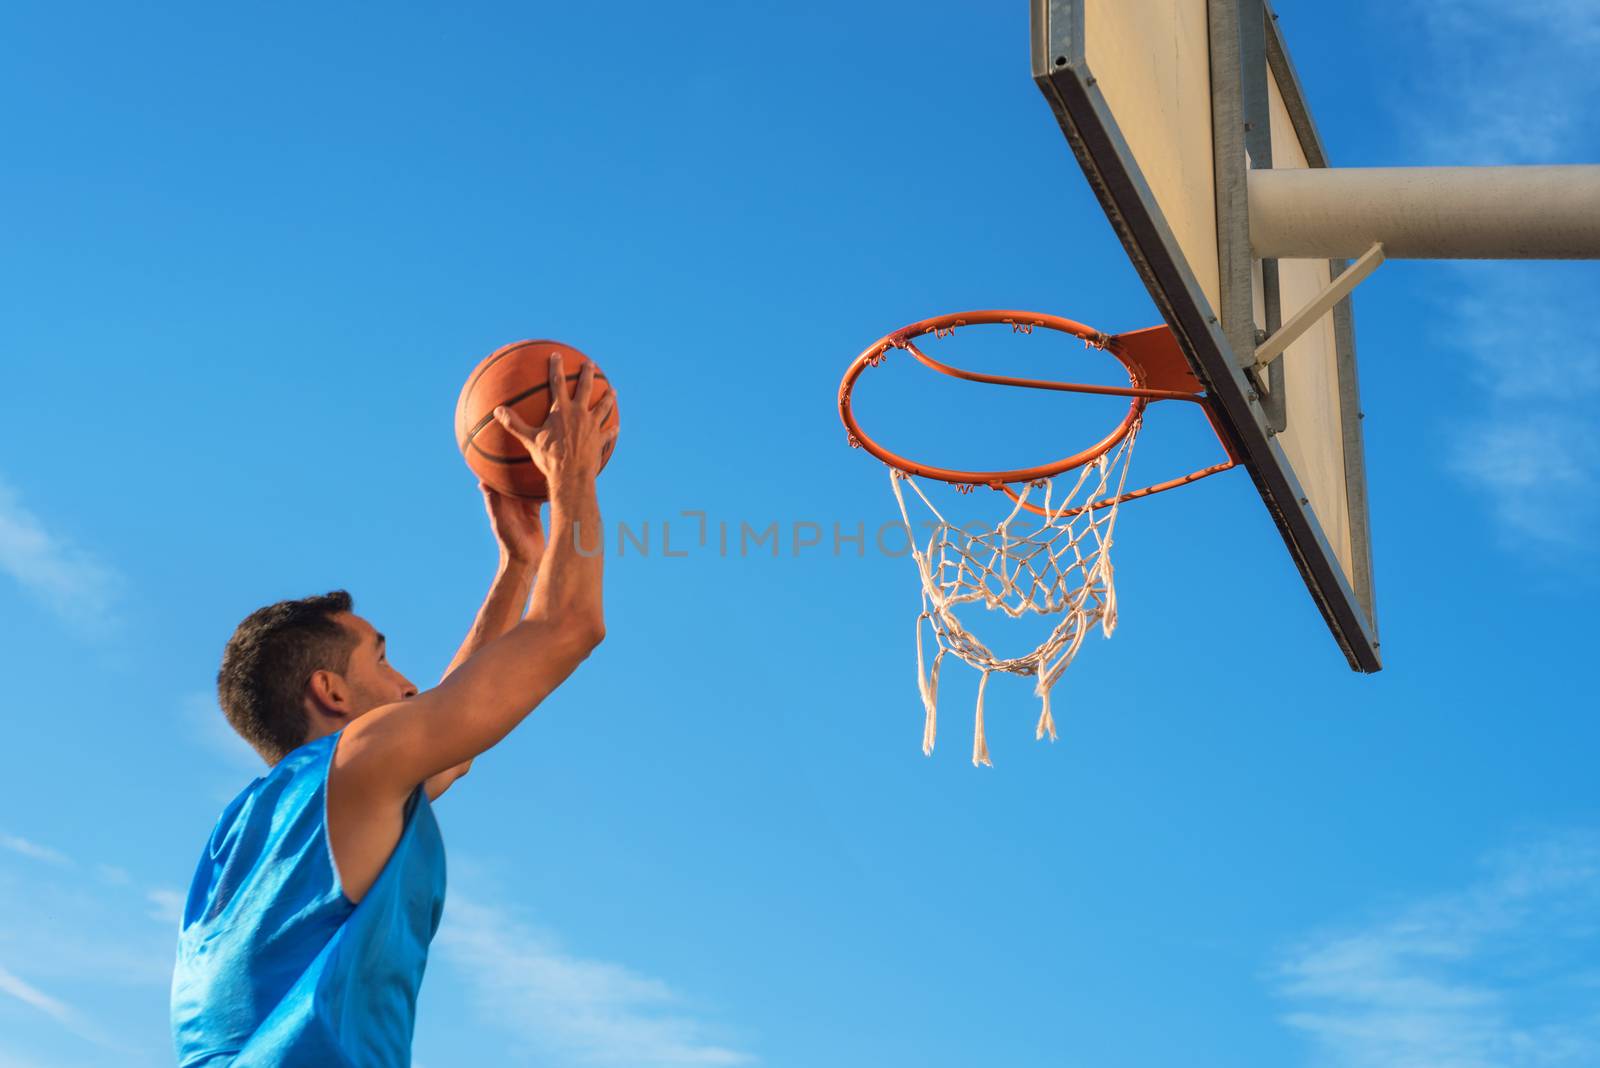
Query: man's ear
(329, 693)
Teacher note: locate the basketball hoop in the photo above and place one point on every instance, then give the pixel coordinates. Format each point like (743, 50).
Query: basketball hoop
(1051, 557)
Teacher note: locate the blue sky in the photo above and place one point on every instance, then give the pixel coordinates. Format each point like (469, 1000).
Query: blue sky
(254, 251)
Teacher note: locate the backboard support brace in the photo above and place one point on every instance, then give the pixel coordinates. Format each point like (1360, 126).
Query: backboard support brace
(1269, 350)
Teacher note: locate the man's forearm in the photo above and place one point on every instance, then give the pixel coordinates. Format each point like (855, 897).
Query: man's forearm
(570, 576)
(502, 608)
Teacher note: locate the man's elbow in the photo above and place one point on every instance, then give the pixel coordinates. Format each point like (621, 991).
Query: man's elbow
(589, 632)
(570, 636)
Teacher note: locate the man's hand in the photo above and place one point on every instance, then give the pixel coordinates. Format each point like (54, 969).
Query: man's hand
(516, 526)
(567, 448)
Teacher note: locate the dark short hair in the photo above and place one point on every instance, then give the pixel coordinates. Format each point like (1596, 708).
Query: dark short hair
(266, 664)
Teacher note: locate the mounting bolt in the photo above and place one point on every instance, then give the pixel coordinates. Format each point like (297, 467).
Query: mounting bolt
(1252, 396)
(1304, 501)
(1271, 433)
(1092, 80)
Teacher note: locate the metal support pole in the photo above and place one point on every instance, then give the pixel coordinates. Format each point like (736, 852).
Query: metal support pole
(1428, 213)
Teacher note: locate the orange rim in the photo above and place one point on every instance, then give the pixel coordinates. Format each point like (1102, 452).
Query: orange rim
(1136, 351)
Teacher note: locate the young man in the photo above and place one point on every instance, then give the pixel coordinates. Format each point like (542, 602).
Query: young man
(307, 926)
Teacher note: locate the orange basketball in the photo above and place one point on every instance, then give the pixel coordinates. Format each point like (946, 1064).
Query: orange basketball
(517, 376)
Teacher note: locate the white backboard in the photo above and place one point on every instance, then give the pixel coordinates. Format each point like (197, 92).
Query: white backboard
(1167, 104)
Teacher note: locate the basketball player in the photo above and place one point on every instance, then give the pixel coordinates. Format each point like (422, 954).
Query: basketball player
(306, 929)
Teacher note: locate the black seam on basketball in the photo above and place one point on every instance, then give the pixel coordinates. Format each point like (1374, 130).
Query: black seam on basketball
(497, 357)
(504, 461)
(472, 443)
(520, 397)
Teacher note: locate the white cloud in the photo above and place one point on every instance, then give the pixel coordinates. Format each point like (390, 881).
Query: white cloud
(1533, 448)
(166, 906)
(115, 876)
(1502, 974)
(73, 929)
(68, 581)
(33, 850)
(11, 1059)
(1542, 474)
(1518, 320)
(204, 722)
(1506, 83)
(13, 986)
(1503, 83)
(562, 1007)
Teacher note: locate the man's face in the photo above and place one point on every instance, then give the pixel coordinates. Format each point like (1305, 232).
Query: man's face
(372, 680)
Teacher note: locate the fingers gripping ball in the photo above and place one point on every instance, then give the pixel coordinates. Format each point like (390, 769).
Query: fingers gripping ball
(518, 376)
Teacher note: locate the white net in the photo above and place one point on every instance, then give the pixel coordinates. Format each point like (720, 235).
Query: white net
(1055, 564)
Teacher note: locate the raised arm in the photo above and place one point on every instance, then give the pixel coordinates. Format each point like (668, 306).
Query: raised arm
(520, 537)
(386, 753)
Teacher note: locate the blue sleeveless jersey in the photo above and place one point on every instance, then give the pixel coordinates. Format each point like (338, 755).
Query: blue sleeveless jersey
(275, 965)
